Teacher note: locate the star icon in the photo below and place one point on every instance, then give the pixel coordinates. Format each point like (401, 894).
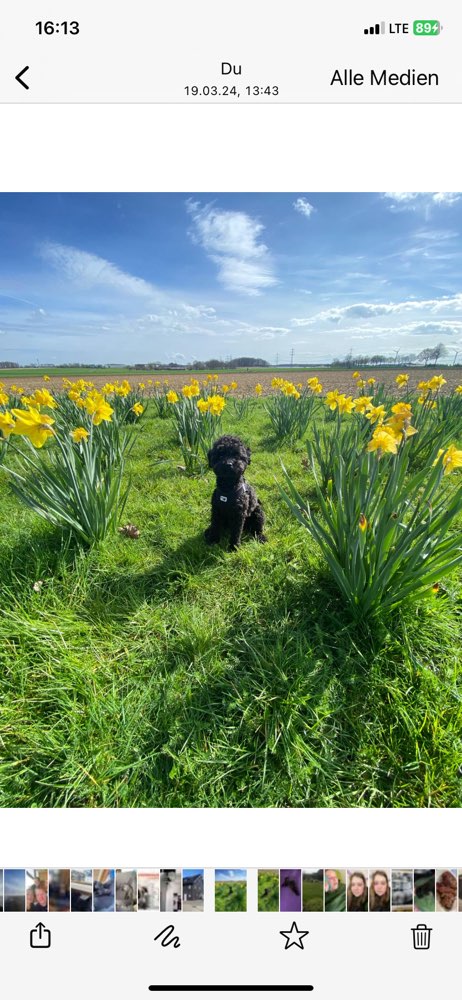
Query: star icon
(294, 936)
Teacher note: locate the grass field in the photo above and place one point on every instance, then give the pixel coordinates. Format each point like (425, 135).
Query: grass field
(268, 891)
(313, 893)
(162, 672)
(230, 897)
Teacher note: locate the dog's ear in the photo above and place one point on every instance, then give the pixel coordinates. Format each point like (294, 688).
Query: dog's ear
(248, 455)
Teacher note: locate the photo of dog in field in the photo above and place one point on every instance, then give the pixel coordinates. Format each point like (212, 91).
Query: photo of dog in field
(235, 505)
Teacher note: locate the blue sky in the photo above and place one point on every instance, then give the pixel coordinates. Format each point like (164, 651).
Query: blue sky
(230, 874)
(126, 278)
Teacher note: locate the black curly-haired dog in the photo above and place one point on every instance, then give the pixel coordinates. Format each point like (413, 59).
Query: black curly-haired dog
(235, 505)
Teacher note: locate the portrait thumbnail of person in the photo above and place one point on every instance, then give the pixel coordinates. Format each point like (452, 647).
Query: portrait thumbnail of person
(36, 890)
(334, 890)
(357, 892)
(379, 890)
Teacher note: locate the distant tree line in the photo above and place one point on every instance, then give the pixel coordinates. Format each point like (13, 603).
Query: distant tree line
(427, 356)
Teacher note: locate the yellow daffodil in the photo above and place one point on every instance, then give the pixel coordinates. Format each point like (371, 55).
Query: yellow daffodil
(402, 410)
(423, 385)
(436, 383)
(216, 405)
(345, 404)
(44, 398)
(203, 405)
(225, 388)
(331, 399)
(189, 391)
(361, 403)
(360, 383)
(362, 522)
(46, 378)
(6, 423)
(233, 385)
(258, 389)
(376, 414)
(3, 398)
(356, 375)
(138, 409)
(452, 459)
(458, 389)
(80, 434)
(172, 396)
(141, 385)
(34, 425)
(382, 440)
(98, 408)
(401, 380)
(371, 381)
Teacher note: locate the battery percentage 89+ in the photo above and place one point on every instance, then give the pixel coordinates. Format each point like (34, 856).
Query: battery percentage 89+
(427, 27)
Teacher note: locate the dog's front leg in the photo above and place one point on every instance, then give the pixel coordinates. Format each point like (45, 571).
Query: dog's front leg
(237, 528)
(212, 534)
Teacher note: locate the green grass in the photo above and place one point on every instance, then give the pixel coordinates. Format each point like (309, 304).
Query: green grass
(313, 894)
(268, 891)
(230, 897)
(162, 672)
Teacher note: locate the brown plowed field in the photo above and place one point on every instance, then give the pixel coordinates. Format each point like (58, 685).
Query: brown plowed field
(247, 380)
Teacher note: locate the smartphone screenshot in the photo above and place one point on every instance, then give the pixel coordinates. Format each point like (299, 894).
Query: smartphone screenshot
(230, 500)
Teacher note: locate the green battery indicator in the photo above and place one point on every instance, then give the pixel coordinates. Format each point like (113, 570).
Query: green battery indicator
(427, 27)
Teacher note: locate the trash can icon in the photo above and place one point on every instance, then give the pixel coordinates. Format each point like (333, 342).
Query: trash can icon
(421, 937)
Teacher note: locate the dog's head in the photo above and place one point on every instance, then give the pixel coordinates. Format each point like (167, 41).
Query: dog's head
(229, 457)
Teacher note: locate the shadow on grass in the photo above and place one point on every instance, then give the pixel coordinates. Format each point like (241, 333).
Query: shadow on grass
(41, 553)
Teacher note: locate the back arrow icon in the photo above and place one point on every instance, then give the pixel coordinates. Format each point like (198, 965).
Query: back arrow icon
(18, 78)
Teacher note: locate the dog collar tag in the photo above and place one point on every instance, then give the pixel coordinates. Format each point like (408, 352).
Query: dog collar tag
(224, 499)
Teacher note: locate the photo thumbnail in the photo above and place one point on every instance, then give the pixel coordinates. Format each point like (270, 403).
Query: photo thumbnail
(126, 890)
(59, 881)
(424, 890)
(446, 890)
(313, 890)
(379, 890)
(148, 890)
(193, 890)
(357, 892)
(268, 890)
(231, 428)
(402, 889)
(14, 890)
(230, 890)
(37, 890)
(103, 890)
(335, 892)
(81, 890)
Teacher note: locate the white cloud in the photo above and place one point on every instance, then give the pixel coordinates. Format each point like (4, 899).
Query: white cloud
(412, 201)
(232, 241)
(446, 197)
(365, 310)
(87, 270)
(304, 207)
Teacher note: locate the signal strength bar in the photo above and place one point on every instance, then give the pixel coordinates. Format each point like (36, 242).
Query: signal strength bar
(375, 29)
